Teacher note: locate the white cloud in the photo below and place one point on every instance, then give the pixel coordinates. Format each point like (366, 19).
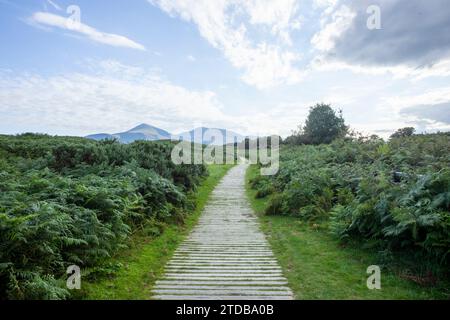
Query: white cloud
(324, 3)
(341, 20)
(113, 98)
(225, 25)
(52, 20)
(430, 97)
(402, 47)
(279, 15)
(394, 108)
(191, 58)
(439, 69)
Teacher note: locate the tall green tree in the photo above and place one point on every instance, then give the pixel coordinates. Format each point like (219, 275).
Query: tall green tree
(324, 125)
(403, 132)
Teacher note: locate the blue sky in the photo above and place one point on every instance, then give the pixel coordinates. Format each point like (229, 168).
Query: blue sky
(254, 66)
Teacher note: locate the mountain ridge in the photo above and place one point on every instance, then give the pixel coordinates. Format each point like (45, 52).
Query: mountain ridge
(148, 132)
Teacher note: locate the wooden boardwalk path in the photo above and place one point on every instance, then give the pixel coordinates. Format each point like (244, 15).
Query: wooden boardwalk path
(226, 256)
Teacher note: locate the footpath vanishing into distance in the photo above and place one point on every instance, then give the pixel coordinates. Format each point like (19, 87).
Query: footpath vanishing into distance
(226, 256)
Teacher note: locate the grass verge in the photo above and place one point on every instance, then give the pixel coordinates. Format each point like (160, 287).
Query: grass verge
(143, 262)
(317, 266)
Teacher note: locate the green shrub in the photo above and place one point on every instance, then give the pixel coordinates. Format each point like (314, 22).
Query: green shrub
(67, 201)
(276, 205)
(350, 184)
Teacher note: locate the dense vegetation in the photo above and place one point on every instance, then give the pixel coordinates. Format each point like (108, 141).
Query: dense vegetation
(319, 266)
(67, 201)
(393, 196)
(132, 273)
(323, 125)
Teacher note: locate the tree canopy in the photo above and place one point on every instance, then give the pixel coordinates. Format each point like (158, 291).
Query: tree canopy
(403, 132)
(323, 125)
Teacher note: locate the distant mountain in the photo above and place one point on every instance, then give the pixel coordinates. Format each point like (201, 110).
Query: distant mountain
(141, 132)
(150, 133)
(145, 132)
(215, 136)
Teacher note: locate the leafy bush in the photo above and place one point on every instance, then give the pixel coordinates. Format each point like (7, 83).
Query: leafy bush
(349, 184)
(263, 185)
(70, 201)
(275, 206)
(323, 125)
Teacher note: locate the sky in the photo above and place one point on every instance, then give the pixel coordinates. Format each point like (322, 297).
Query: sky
(77, 67)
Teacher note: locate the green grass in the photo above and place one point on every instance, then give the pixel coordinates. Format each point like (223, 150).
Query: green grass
(144, 261)
(317, 266)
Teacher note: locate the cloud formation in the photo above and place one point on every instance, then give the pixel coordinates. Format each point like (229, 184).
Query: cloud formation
(428, 111)
(272, 43)
(47, 19)
(226, 26)
(435, 112)
(414, 34)
(111, 97)
(256, 36)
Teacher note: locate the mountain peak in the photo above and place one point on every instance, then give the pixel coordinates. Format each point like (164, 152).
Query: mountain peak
(141, 132)
(148, 132)
(142, 126)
